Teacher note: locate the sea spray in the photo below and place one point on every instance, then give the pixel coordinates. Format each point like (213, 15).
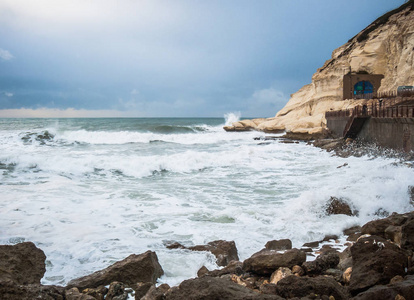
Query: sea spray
(230, 118)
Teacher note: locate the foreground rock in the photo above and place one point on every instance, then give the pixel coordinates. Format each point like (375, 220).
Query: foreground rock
(293, 286)
(404, 288)
(322, 263)
(23, 263)
(278, 245)
(399, 228)
(267, 261)
(214, 288)
(375, 262)
(12, 291)
(224, 251)
(133, 269)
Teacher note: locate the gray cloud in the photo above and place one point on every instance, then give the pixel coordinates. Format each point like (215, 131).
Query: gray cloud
(5, 55)
(170, 58)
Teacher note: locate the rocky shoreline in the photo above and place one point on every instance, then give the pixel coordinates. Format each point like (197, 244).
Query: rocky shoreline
(374, 261)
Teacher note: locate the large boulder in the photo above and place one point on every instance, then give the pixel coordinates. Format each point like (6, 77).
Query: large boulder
(322, 263)
(399, 228)
(224, 251)
(267, 261)
(22, 263)
(234, 267)
(403, 288)
(293, 286)
(407, 235)
(284, 244)
(375, 261)
(12, 291)
(338, 206)
(74, 294)
(135, 268)
(214, 289)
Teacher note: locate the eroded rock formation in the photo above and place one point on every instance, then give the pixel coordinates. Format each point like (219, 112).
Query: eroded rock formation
(384, 47)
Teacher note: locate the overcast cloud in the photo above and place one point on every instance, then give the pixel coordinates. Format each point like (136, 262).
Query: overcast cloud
(168, 58)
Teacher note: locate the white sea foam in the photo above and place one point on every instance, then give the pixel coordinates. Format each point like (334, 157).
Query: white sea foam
(230, 118)
(89, 198)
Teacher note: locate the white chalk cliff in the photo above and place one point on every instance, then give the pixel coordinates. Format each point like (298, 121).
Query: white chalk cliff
(385, 47)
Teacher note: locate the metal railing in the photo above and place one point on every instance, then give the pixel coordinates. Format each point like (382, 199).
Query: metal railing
(390, 94)
(374, 110)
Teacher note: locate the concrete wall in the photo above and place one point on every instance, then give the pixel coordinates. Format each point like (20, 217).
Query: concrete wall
(336, 125)
(396, 133)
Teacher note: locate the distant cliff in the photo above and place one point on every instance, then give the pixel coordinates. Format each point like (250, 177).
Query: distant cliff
(385, 47)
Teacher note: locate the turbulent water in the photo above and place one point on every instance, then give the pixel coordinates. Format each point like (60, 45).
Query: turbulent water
(90, 192)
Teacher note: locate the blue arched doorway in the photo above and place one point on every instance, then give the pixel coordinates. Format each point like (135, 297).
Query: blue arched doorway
(363, 87)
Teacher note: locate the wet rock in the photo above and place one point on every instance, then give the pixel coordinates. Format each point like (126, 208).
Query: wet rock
(98, 293)
(353, 237)
(266, 261)
(74, 294)
(293, 286)
(234, 267)
(376, 227)
(22, 263)
(213, 288)
(203, 270)
(280, 274)
(321, 263)
(141, 289)
(135, 268)
(407, 235)
(312, 244)
(394, 233)
(334, 273)
(116, 291)
(224, 251)
(156, 293)
(175, 245)
(298, 270)
(330, 237)
(268, 288)
(397, 227)
(328, 249)
(338, 206)
(278, 245)
(345, 259)
(12, 291)
(399, 290)
(411, 193)
(375, 261)
(352, 230)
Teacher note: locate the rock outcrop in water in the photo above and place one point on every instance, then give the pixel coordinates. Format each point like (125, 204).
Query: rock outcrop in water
(385, 47)
(377, 265)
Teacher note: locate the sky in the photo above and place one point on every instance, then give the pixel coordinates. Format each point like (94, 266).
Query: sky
(181, 58)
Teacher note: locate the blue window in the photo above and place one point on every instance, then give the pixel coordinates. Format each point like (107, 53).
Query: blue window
(363, 87)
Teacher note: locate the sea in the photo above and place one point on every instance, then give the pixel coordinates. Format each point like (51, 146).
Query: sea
(90, 192)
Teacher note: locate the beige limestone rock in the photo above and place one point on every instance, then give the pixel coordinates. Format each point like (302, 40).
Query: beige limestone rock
(346, 276)
(280, 274)
(384, 47)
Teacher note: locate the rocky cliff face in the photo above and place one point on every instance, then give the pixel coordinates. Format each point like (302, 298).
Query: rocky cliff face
(384, 47)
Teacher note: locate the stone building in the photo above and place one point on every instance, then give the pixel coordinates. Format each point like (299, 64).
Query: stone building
(361, 86)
